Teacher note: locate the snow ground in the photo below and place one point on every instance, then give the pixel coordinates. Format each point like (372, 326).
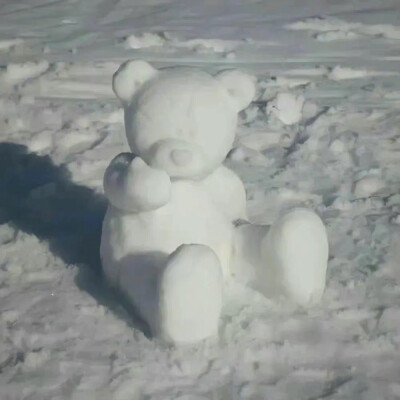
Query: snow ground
(63, 334)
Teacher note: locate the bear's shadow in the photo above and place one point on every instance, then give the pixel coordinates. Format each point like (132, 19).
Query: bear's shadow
(39, 198)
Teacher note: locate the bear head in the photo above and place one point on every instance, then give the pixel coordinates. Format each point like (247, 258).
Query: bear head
(181, 120)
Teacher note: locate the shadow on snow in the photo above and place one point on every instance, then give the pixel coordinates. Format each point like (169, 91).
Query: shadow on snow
(39, 198)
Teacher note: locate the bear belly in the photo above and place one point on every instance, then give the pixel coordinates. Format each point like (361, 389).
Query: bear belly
(189, 217)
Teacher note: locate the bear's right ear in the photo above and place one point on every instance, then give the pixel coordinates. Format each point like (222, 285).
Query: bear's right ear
(240, 86)
(131, 75)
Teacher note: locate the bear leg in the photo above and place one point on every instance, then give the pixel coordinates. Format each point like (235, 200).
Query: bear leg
(295, 251)
(190, 295)
(288, 258)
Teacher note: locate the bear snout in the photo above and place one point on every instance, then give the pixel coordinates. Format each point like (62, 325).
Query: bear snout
(180, 159)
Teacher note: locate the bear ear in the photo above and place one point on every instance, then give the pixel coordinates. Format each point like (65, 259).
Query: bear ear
(131, 75)
(239, 85)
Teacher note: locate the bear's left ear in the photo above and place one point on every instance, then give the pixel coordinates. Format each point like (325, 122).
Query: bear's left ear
(131, 75)
(240, 86)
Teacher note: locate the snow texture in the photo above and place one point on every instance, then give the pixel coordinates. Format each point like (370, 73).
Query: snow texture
(65, 335)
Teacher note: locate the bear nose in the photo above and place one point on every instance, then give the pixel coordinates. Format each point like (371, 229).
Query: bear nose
(181, 157)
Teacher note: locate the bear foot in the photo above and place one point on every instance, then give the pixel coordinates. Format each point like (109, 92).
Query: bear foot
(190, 295)
(295, 250)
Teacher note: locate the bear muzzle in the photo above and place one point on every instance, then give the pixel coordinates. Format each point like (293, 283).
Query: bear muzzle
(180, 159)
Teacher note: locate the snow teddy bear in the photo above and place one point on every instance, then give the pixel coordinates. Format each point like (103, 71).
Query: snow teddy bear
(171, 236)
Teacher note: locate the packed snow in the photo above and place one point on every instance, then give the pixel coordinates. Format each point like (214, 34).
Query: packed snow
(65, 334)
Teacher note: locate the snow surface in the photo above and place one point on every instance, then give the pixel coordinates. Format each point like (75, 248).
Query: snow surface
(64, 335)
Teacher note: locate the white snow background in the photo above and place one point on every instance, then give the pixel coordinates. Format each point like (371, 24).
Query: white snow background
(324, 132)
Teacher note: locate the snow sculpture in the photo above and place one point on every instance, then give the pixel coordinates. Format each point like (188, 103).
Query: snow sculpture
(169, 237)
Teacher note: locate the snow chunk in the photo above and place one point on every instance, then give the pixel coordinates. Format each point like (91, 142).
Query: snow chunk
(214, 45)
(319, 24)
(145, 40)
(41, 141)
(17, 73)
(340, 73)
(9, 44)
(367, 186)
(384, 31)
(335, 29)
(390, 320)
(34, 360)
(332, 36)
(318, 70)
(10, 316)
(77, 139)
(337, 146)
(149, 39)
(287, 107)
(7, 233)
(261, 141)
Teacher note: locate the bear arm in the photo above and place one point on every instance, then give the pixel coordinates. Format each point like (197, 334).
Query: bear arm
(132, 186)
(228, 193)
